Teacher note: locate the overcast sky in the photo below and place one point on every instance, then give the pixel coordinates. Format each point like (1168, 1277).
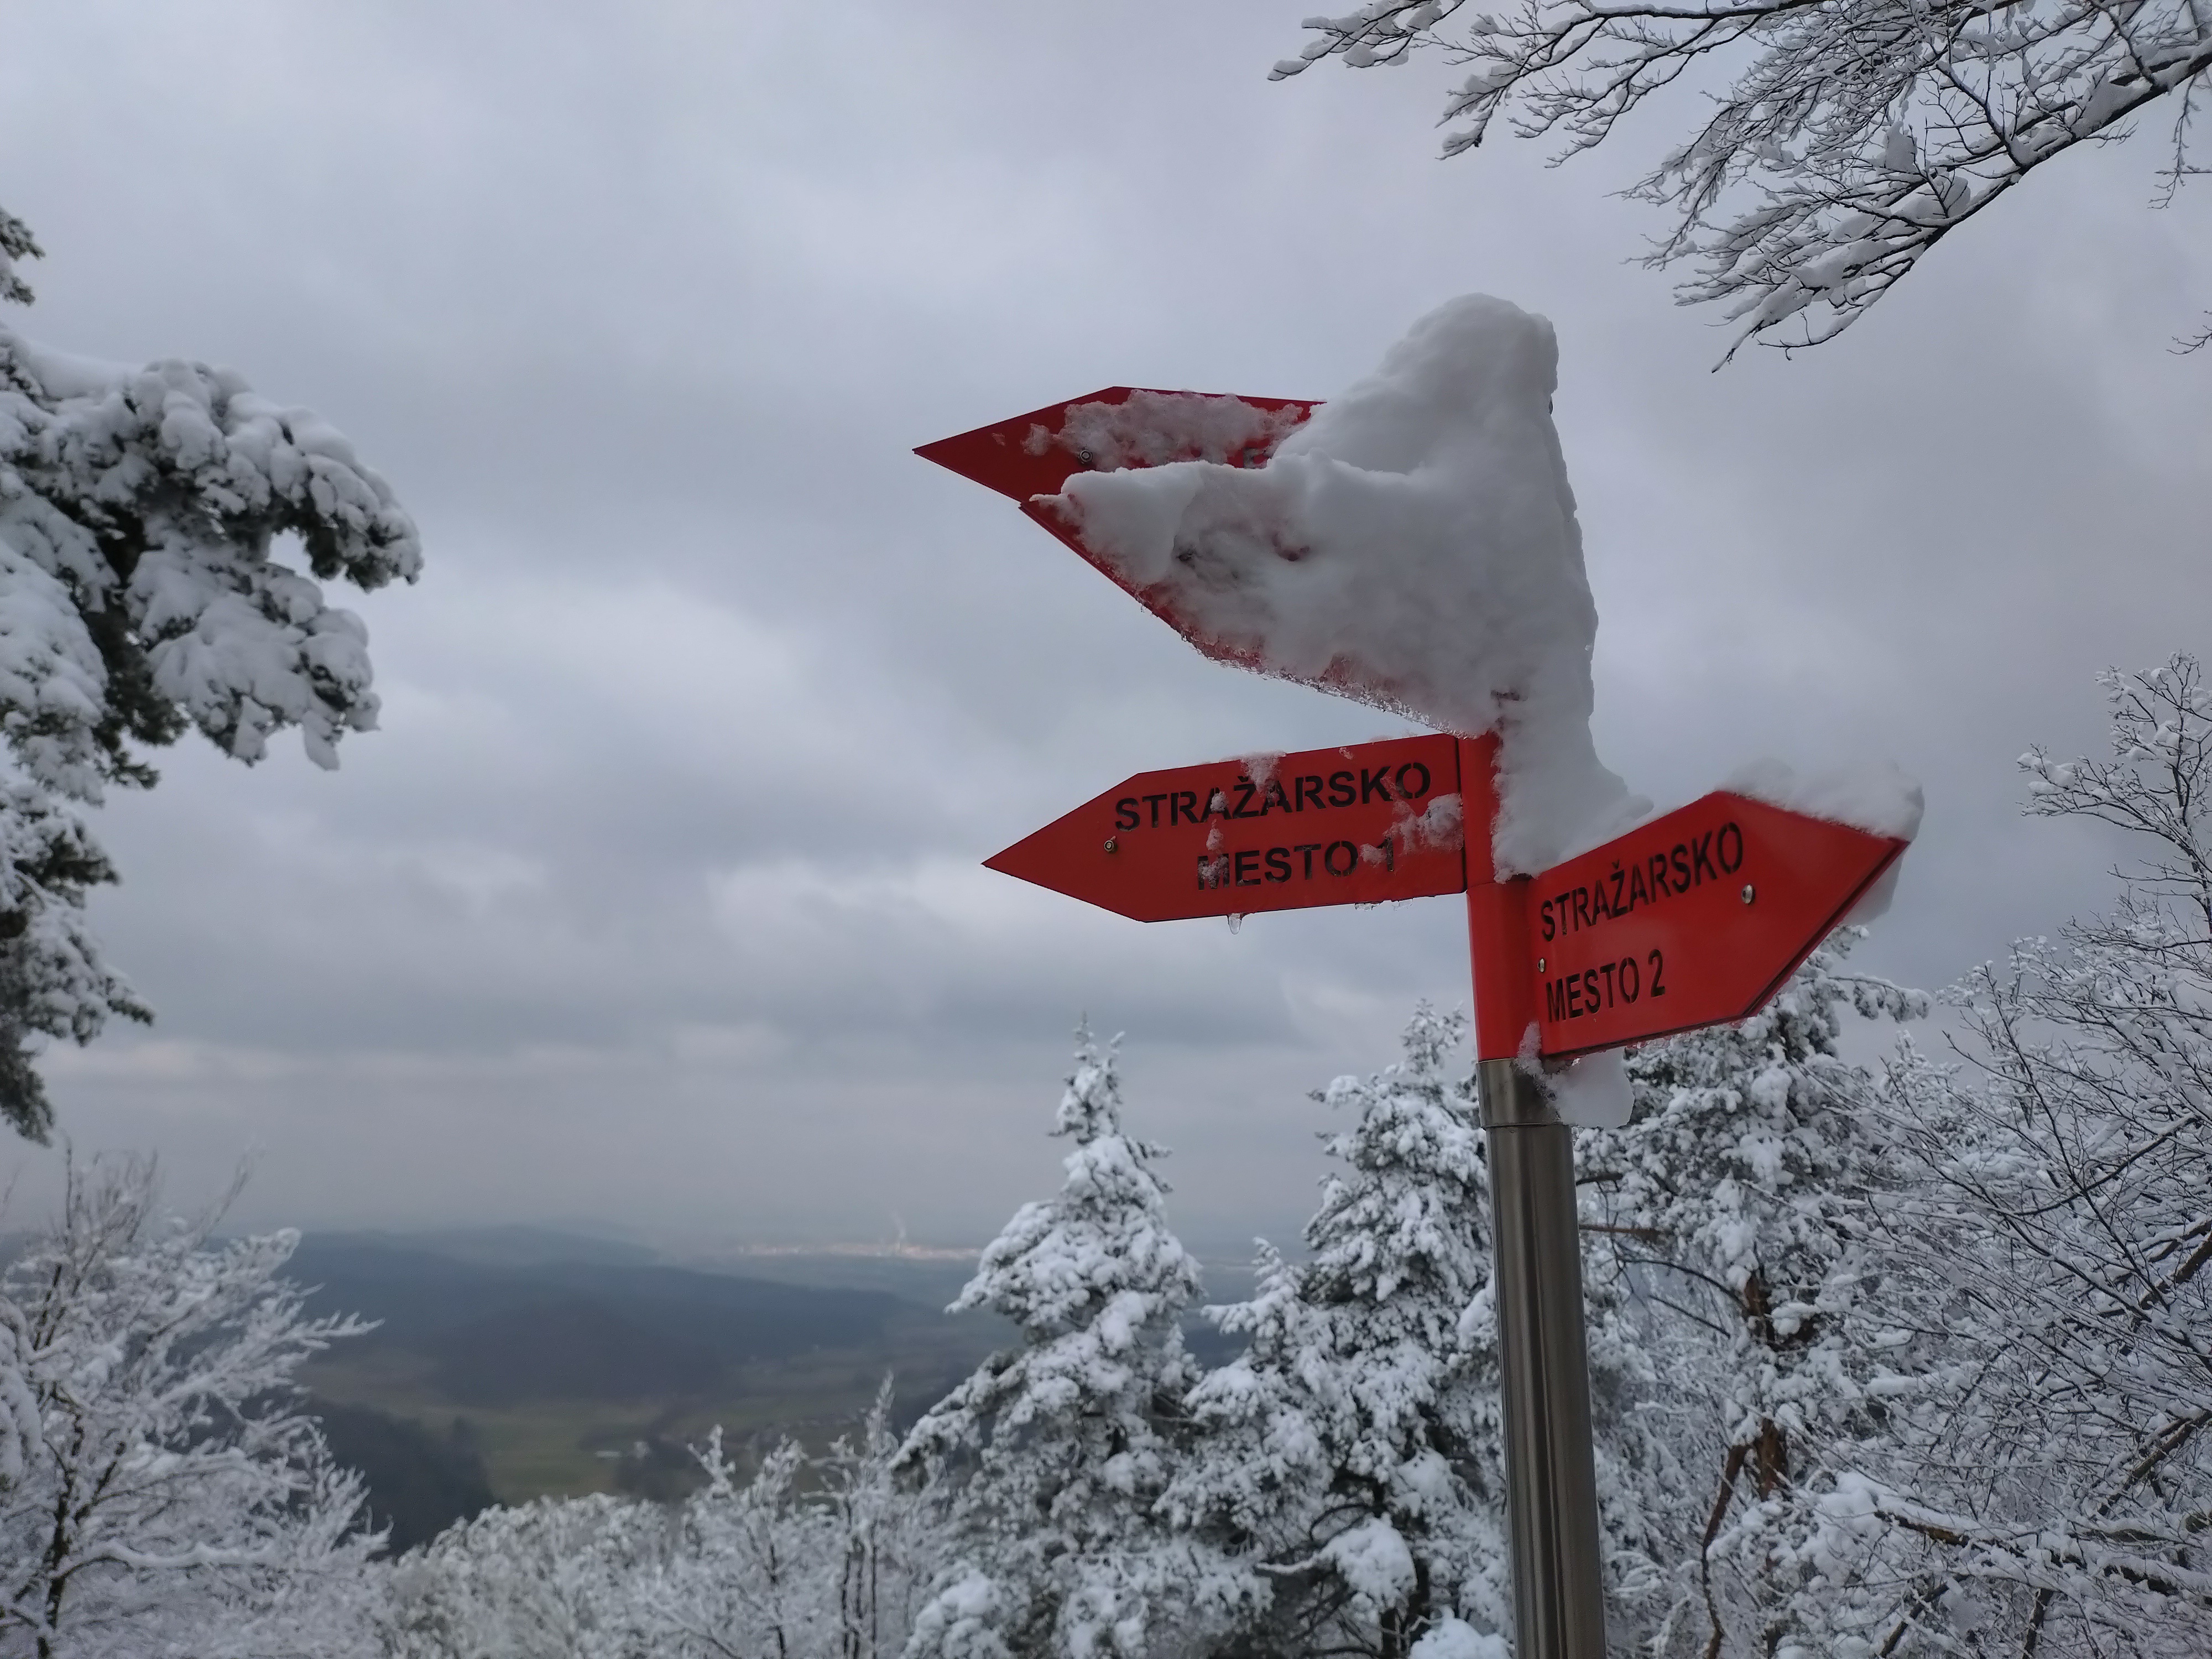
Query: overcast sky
(656, 903)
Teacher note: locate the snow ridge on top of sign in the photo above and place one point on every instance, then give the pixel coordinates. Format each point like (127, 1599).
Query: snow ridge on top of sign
(1414, 543)
(1155, 428)
(1878, 798)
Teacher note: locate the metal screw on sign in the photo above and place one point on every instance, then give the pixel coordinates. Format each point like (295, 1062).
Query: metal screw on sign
(1652, 933)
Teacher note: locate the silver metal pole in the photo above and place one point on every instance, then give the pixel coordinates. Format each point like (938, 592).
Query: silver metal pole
(1551, 1483)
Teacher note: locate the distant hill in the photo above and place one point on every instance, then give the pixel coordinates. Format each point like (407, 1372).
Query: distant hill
(510, 1246)
(574, 1364)
(577, 1330)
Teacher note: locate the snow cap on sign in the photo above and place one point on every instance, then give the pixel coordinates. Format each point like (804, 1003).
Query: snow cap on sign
(1879, 798)
(1415, 543)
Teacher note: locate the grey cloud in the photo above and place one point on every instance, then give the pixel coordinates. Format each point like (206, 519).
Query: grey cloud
(656, 898)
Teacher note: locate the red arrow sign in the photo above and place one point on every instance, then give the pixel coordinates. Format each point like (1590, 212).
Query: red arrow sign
(1358, 825)
(1694, 919)
(1035, 454)
(1121, 426)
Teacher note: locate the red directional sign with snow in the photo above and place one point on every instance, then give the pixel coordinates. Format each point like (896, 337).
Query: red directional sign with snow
(1035, 454)
(1356, 825)
(1694, 919)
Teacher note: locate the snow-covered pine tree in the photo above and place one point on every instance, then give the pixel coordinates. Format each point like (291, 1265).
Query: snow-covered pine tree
(1733, 1210)
(2056, 1498)
(142, 593)
(159, 1489)
(1049, 1459)
(1351, 1457)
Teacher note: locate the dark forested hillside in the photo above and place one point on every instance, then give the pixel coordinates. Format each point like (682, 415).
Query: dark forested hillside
(419, 1482)
(495, 1335)
(576, 1365)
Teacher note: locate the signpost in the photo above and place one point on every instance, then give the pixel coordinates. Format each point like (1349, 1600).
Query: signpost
(1693, 918)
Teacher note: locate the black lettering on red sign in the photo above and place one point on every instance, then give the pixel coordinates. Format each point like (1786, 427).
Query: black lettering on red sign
(1343, 789)
(1310, 785)
(1412, 791)
(1272, 799)
(1309, 847)
(1278, 864)
(1731, 865)
(1351, 858)
(1125, 812)
(1701, 863)
(1248, 869)
(1212, 871)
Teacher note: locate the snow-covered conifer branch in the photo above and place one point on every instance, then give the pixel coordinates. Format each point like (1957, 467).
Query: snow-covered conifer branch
(1729, 1228)
(145, 514)
(1851, 137)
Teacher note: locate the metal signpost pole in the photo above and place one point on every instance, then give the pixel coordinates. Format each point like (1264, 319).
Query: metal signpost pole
(1550, 1477)
(1551, 1483)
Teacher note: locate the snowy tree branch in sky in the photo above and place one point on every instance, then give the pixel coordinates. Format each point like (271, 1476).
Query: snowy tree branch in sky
(1852, 137)
(2056, 1236)
(141, 512)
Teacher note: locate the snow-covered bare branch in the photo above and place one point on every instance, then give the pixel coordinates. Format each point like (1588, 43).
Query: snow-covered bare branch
(1843, 138)
(2056, 1236)
(158, 1486)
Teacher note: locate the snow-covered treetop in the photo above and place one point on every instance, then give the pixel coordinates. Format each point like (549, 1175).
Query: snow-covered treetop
(1854, 135)
(1415, 542)
(1104, 1242)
